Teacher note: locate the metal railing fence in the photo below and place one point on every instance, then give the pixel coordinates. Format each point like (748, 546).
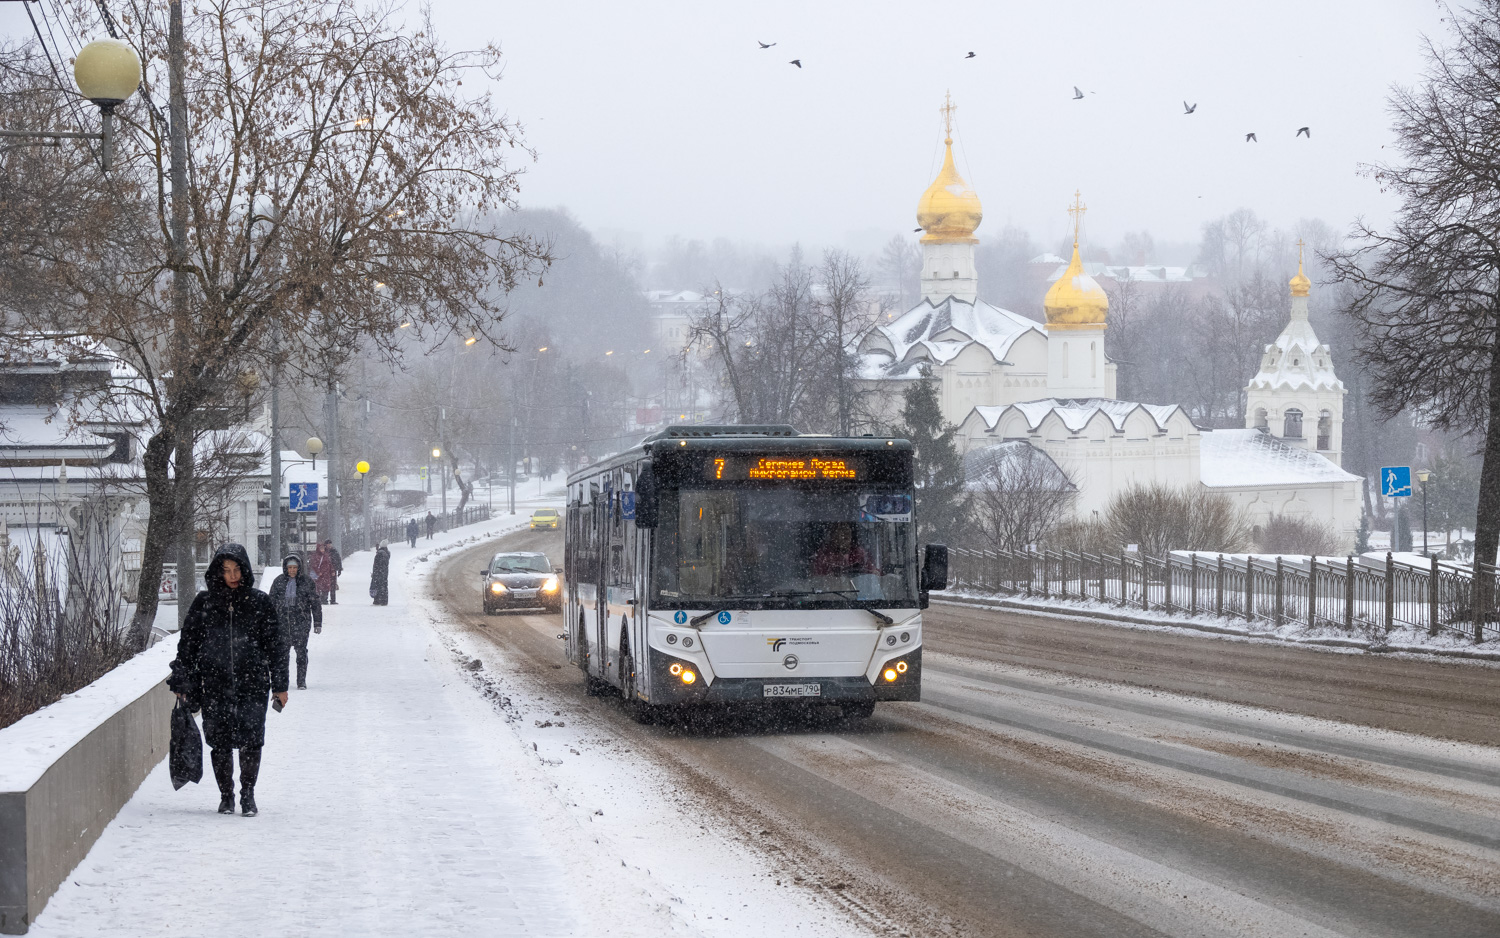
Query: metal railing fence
(1317, 592)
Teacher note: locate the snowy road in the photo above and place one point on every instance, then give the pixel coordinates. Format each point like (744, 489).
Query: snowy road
(1016, 801)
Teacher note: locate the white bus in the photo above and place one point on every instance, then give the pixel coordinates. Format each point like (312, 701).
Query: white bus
(747, 564)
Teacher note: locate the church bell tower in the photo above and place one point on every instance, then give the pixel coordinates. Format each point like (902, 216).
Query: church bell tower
(949, 212)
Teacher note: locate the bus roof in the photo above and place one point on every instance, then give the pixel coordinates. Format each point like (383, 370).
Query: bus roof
(735, 437)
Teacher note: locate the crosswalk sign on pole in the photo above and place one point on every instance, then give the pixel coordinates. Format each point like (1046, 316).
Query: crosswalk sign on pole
(1395, 481)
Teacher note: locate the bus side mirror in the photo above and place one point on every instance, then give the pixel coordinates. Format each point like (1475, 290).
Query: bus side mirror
(934, 567)
(646, 500)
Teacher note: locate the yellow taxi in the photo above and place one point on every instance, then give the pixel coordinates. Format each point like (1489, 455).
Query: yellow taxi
(545, 518)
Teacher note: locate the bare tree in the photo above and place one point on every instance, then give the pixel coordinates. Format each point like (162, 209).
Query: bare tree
(1285, 534)
(846, 315)
(1424, 292)
(1160, 519)
(336, 169)
(1019, 495)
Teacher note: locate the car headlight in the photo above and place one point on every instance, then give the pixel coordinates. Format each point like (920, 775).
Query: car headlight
(497, 587)
(550, 586)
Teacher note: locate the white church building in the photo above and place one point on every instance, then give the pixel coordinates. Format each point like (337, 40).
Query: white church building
(1005, 378)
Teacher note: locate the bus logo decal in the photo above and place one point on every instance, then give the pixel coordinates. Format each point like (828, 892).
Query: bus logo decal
(680, 617)
(775, 643)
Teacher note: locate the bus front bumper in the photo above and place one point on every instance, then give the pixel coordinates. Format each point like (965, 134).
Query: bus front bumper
(669, 689)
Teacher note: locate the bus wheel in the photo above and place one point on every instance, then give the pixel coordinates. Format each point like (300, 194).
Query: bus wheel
(859, 711)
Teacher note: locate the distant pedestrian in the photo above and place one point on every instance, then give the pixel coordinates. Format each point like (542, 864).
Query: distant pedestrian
(412, 531)
(431, 522)
(298, 608)
(230, 659)
(320, 565)
(380, 574)
(338, 571)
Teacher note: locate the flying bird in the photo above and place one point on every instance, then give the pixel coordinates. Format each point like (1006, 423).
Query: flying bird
(1188, 108)
(915, 230)
(1303, 130)
(1077, 95)
(1250, 138)
(765, 45)
(796, 62)
(969, 56)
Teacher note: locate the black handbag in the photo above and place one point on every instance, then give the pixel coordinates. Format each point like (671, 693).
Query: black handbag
(185, 757)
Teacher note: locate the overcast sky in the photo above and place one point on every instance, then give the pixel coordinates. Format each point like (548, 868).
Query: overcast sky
(663, 118)
(666, 118)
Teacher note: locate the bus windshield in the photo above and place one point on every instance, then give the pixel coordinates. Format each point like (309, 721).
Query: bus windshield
(784, 548)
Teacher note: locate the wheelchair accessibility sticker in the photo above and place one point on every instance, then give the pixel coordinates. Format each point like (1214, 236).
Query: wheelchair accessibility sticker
(724, 618)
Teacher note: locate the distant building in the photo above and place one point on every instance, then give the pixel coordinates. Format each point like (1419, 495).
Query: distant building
(1007, 380)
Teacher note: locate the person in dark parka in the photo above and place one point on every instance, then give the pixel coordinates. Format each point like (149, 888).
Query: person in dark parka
(412, 531)
(230, 659)
(380, 576)
(295, 596)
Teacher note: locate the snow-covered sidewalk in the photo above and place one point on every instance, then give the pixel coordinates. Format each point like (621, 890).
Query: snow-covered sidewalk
(386, 807)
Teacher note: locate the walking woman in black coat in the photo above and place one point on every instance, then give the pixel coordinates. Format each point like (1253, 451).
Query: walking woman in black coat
(230, 658)
(295, 596)
(380, 576)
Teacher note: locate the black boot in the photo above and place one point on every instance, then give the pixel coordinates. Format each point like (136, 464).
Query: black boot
(223, 763)
(249, 772)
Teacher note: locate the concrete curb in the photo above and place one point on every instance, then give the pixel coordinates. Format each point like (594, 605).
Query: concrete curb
(1069, 612)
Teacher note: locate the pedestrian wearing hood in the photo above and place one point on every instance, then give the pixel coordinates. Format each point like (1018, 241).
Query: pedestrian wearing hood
(297, 608)
(337, 560)
(412, 531)
(431, 523)
(230, 659)
(380, 575)
(320, 565)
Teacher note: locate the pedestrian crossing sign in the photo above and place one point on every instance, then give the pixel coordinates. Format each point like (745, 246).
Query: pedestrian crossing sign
(302, 496)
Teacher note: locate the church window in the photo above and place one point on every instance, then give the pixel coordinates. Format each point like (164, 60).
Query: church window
(1296, 361)
(1325, 430)
(1261, 422)
(1293, 427)
(1093, 361)
(1065, 360)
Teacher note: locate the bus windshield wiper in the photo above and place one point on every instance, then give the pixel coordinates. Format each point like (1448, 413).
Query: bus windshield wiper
(884, 619)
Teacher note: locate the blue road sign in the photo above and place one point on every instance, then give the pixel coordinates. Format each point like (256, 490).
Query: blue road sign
(302, 496)
(1395, 481)
(627, 506)
(680, 617)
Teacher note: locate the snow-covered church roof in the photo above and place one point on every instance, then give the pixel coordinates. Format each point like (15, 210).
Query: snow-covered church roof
(1076, 414)
(1014, 462)
(1235, 458)
(1296, 360)
(937, 333)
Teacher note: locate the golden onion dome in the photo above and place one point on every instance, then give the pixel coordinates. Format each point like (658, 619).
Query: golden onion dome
(1076, 301)
(1300, 285)
(949, 210)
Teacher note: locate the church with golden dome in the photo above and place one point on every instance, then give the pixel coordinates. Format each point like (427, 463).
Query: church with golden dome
(1006, 380)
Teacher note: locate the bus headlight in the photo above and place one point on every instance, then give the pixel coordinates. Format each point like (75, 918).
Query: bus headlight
(497, 587)
(890, 674)
(901, 667)
(550, 586)
(688, 677)
(676, 669)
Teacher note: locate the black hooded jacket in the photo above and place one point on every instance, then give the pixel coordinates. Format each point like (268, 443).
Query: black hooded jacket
(304, 611)
(231, 655)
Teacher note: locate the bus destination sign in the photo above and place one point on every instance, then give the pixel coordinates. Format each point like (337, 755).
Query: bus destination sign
(787, 468)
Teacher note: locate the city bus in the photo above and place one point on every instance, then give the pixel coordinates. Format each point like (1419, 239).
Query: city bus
(739, 565)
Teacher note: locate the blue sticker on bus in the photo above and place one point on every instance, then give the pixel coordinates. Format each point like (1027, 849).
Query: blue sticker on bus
(724, 618)
(680, 618)
(627, 505)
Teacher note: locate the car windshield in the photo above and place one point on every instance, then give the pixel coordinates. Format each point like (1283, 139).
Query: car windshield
(544, 513)
(520, 563)
(785, 547)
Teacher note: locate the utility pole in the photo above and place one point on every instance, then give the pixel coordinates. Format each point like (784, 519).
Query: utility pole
(442, 461)
(177, 110)
(510, 471)
(277, 547)
(335, 460)
(364, 380)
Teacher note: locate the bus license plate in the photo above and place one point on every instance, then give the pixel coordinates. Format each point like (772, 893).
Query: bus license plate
(793, 690)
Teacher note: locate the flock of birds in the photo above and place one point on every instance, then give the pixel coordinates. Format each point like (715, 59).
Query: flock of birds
(1078, 95)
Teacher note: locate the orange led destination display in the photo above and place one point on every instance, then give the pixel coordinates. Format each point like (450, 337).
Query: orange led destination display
(784, 469)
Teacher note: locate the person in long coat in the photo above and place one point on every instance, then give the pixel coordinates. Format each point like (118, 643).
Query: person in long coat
(297, 607)
(337, 559)
(230, 659)
(320, 565)
(380, 575)
(412, 531)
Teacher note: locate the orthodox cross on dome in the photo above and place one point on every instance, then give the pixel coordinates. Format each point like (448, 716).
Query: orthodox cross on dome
(1076, 210)
(947, 111)
(1300, 245)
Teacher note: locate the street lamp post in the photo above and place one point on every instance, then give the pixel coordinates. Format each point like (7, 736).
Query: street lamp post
(107, 72)
(1422, 477)
(437, 454)
(362, 469)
